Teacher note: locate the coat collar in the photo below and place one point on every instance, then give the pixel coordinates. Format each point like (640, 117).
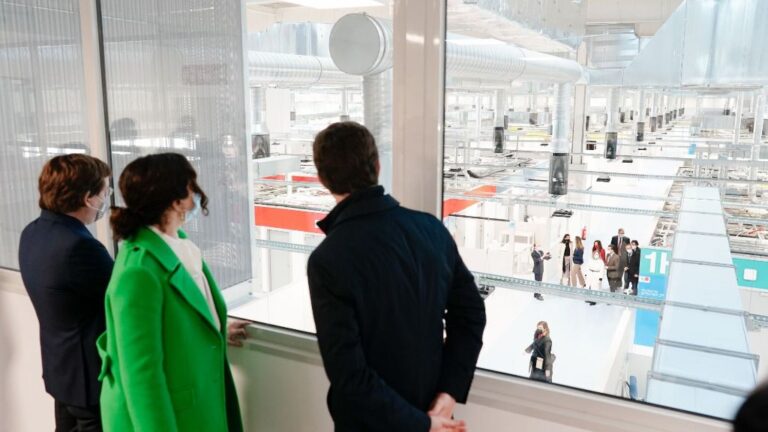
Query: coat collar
(359, 203)
(70, 221)
(179, 278)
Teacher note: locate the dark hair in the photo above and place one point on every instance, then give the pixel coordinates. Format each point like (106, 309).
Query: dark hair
(150, 185)
(614, 248)
(545, 325)
(753, 414)
(634, 242)
(598, 247)
(345, 155)
(566, 235)
(66, 180)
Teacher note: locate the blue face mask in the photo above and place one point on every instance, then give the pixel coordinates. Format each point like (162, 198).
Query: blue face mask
(195, 212)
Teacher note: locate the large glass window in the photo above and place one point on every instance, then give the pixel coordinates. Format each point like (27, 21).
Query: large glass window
(306, 69)
(42, 102)
(174, 82)
(568, 126)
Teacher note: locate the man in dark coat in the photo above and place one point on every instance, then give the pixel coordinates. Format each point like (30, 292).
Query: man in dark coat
(386, 284)
(66, 271)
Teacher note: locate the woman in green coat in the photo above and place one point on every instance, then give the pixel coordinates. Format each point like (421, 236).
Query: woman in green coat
(164, 352)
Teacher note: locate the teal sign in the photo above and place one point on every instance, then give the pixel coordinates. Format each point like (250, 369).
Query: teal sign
(751, 273)
(654, 272)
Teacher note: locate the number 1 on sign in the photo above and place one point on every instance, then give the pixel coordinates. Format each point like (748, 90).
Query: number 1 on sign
(663, 262)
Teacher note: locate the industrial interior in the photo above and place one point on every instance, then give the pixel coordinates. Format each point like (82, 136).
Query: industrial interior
(578, 117)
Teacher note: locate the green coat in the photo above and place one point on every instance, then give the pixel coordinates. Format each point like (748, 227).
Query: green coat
(165, 365)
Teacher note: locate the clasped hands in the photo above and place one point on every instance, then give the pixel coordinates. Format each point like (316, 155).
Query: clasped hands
(440, 413)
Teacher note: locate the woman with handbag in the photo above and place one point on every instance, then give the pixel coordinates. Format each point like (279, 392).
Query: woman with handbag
(542, 358)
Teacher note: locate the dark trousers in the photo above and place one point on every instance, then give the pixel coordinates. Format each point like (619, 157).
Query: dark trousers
(76, 419)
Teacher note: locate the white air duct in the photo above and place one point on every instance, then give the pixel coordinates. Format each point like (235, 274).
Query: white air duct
(361, 45)
(288, 70)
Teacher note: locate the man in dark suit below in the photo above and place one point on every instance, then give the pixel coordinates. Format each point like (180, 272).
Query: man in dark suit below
(385, 285)
(538, 257)
(66, 271)
(621, 241)
(631, 263)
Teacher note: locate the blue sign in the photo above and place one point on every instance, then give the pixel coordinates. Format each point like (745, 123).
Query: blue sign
(751, 273)
(654, 272)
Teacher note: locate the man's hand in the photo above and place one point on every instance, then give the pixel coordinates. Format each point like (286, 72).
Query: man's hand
(236, 333)
(442, 424)
(442, 406)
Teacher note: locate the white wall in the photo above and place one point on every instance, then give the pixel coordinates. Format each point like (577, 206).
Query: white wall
(24, 405)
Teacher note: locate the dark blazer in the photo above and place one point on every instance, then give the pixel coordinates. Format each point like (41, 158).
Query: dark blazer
(66, 271)
(538, 261)
(381, 284)
(624, 241)
(634, 263)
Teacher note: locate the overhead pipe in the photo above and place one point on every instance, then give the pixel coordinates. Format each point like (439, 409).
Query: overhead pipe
(641, 118)
(612, 126)
(560, 143)
(361, 45)
(757, 140)
(288, 70)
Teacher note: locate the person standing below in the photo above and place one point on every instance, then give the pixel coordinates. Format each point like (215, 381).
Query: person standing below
(538, 267)
(578, 261)
(165, 348)
(613, 271)
(633, 266)
(620, 240)
(542, 359)
(595, 271)
(65, 271)
(597, 246)
(398, 315)
(563, 250)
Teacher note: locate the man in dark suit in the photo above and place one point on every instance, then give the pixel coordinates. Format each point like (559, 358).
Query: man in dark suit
(385, 285)
(633, 270)
(538, 257)
(66, 271)
(621, 242)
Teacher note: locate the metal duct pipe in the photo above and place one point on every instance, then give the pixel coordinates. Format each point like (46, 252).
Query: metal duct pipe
(287, 70)
(560, 143)
(260, 141)
(641, 118)
(612, 127)
(361, 45)
(758, 137)
(258, 105)
(377, 116)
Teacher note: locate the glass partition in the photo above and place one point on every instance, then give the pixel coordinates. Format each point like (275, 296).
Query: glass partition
(608, 137)
(174, 82)
(42, 101)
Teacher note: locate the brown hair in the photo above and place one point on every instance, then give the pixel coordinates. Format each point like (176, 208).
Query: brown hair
(150, 185)
(345, 156)
(66, 180)
(579, 244)
(545, 326)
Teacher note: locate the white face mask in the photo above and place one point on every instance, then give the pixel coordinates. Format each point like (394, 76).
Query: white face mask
(101, 210)
(195, 211)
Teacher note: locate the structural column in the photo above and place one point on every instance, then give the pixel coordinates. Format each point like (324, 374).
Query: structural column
(641, 117)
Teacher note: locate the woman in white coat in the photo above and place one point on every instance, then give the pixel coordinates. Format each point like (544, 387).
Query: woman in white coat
(595, 273)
